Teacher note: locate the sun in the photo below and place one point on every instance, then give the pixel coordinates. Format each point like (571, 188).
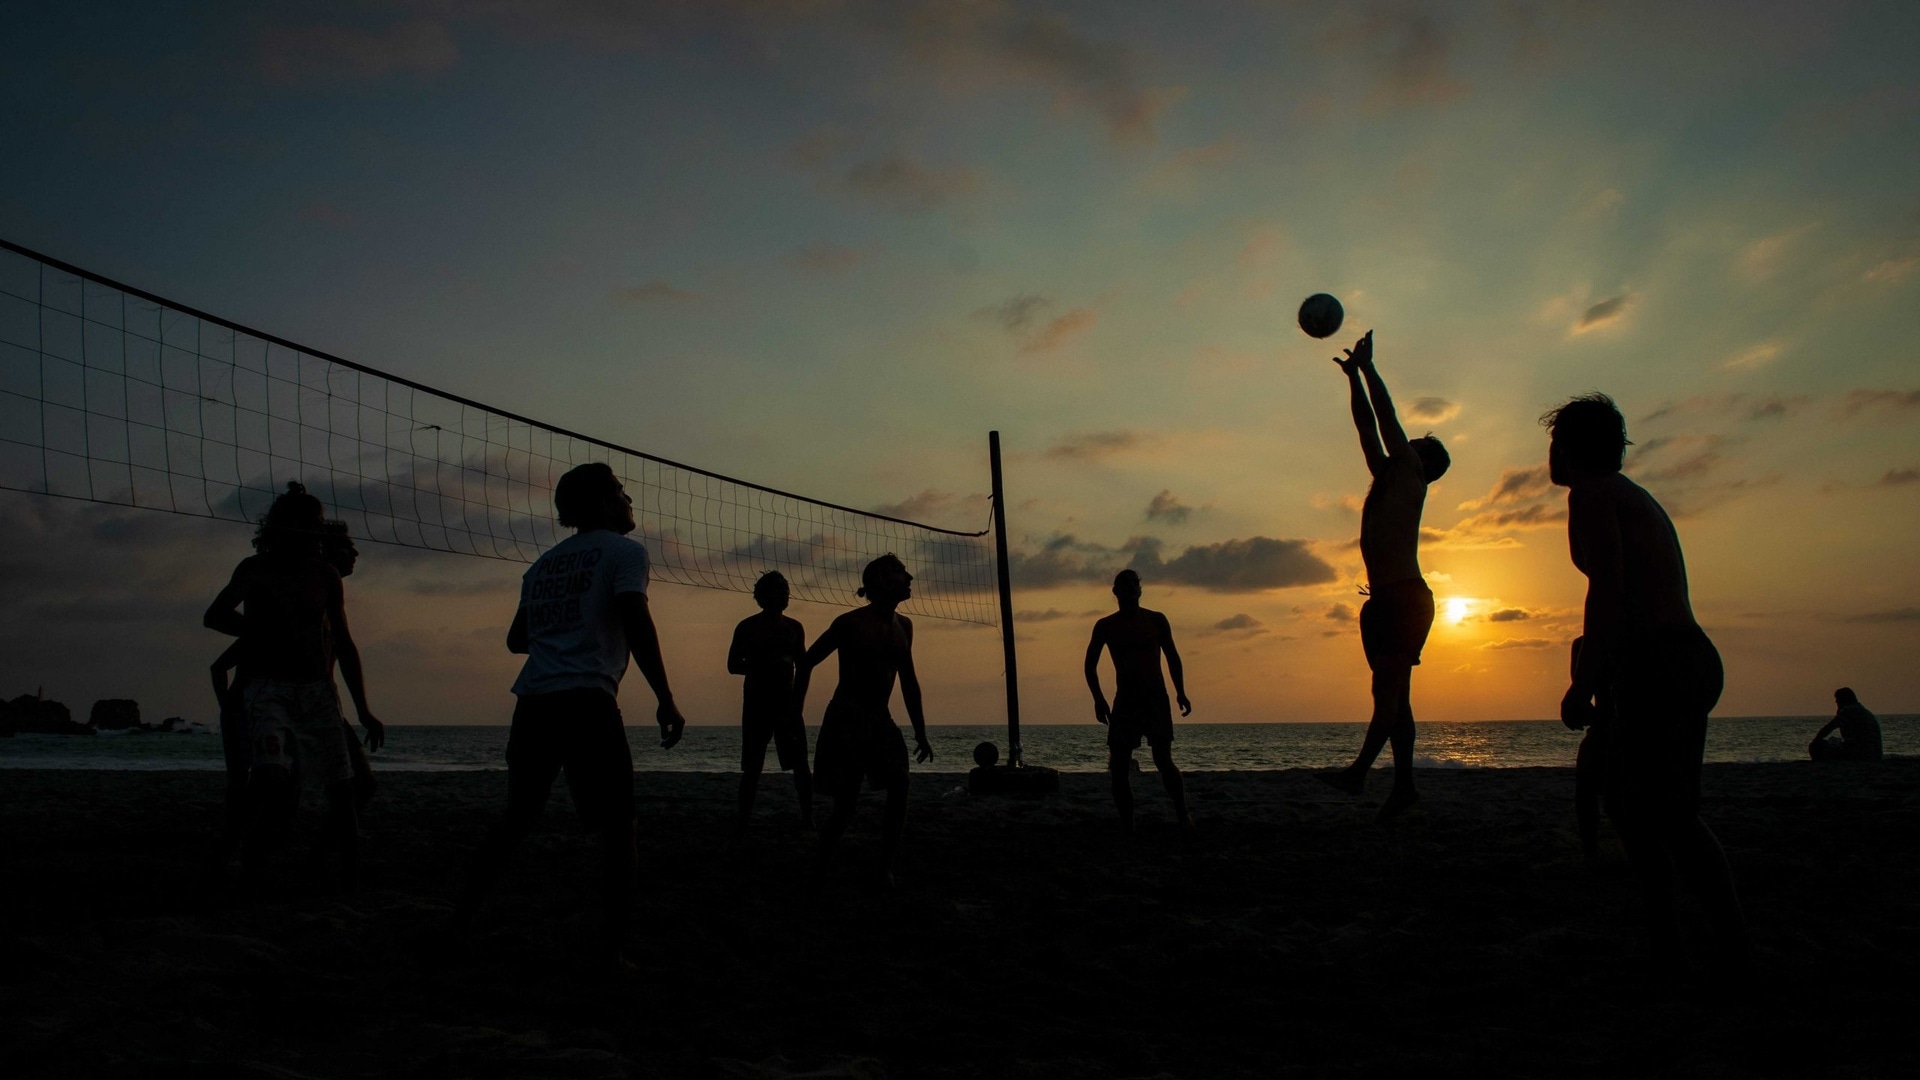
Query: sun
(1457, 609)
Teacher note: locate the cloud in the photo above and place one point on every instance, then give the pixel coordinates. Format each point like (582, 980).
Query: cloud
(295, 54)
(939, 506)
(1905, 614)
(1891, 271)
(1016, 313)
(827, 258)
(1899, 478)
(1522, 498)
(1897, 402)
(1251, 565)
(1254, 564)
(1409, 52)
(990, 43)
(1049, 615)
(1167, 507)
(1751, 407)
(1762, 259)
(1241, 625)
(905, 186)
(1340, 613)
(1061, 330)
(1430, 410)
(1754, 356)
(1515, 487)
(1095, 445)
(1347, 504)
(1603, 314)
(1516, 643)
(654, 292)
(1512, 614)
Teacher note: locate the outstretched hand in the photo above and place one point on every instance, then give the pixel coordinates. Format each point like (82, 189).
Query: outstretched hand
(1360, 357)
(672, 724)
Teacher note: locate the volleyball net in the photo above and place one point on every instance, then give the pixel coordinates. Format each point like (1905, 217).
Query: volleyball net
(114, 395)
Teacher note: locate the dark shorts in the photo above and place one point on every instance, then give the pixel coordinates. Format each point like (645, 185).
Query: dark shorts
(1140, 716)
(1665, 684)
(762, 722)
(856, 746)
(1394, 623)
(579, 731)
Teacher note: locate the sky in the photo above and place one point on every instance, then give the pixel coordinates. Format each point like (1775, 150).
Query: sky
(827, 245)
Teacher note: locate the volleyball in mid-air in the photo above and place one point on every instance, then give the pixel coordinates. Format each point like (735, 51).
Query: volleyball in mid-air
(1320, 315)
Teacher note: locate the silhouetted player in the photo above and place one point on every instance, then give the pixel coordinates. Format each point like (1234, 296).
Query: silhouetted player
(765, 649)
(286, 606)
(1398, 614)
(340, 553)
(858, 737)
(1643, 644)
(1136, 637)
(1590, 762)
(1859, 732)
(583, 611)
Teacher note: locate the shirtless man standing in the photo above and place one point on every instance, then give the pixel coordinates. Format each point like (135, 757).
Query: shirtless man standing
(1643, 646)
(1399, 610)
(1136, 637)
(858, 737)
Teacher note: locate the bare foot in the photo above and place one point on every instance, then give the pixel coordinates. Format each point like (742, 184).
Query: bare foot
(1397, 803)
(1342, 780)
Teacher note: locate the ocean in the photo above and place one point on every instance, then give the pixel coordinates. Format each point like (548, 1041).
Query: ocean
(1067, 747)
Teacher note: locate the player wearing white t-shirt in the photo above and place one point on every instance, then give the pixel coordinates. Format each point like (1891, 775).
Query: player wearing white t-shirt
(583, 611)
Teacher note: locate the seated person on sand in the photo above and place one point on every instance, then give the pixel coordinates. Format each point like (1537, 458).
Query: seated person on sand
(765, 648)
(858, 737)
(1136, 636)
(1398, 614)
(286, 606)
(583, 611)
(1645, 651)
(1859, 732)
(235, 736)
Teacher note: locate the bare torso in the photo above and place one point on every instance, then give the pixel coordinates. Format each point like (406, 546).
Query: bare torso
(1134, 639)
(872, 643)
(286, 603)
(1390, 521)
(1653, 572)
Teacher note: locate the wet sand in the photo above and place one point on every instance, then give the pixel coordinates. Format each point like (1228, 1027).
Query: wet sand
(1288, 936)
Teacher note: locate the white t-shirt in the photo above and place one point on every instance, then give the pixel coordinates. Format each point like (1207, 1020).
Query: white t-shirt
(574, 636)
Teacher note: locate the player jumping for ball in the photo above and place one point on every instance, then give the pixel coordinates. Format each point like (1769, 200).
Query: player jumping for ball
(1136, 637)
(1399, 610)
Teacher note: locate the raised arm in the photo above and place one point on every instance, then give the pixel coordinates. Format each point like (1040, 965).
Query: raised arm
(1358, 357)
(1101, 711)
(643, 641)
(1174, 667)
(910, 693)
(1391, 433)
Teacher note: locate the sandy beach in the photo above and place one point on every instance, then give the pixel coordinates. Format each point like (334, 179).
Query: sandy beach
(1288, 936)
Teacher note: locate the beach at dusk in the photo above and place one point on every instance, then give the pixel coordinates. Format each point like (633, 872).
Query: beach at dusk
(1051, 539)
(1027, 938)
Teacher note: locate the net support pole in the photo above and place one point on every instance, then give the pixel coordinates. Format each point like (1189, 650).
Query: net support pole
(1014, 756)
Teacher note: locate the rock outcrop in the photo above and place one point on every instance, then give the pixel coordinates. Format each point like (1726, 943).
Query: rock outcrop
(31, 714)
(115, 714)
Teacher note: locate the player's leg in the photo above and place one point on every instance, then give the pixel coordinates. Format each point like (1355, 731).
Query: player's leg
(1119, 766)
(1172, 781)
(533, 763)
(599, 767)
(893, 825)
(1394, 683)
(754, 735)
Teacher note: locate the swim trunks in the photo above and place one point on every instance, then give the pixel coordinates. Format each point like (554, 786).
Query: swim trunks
(763, 721)
(1665, 683)
(856, 745)
(580, 731)
(1395, 621)
(297, 726)
(1140, 716)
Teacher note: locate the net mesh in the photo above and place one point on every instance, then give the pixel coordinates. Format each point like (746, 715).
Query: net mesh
(114, 395)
